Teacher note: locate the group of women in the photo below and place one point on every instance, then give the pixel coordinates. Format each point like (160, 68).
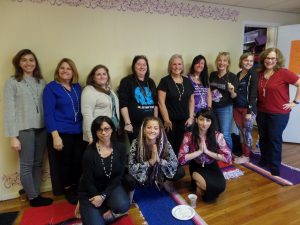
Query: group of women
(88, 163)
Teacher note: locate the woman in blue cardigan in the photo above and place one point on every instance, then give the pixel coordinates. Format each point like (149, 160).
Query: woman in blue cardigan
(64, 124)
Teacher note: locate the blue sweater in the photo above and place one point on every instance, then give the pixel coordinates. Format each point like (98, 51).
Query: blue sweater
(62, 108)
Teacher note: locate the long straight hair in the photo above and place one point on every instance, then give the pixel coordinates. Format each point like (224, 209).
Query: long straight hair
(211, 132)
(204, 74)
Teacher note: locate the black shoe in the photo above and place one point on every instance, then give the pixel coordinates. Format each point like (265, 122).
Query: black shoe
(40, 201)
(275, 172)
(262, 163)
(71, 196)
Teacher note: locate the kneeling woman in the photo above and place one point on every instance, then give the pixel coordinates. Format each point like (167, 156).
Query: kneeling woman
(202, 148)
(152, 160)
(101, 194)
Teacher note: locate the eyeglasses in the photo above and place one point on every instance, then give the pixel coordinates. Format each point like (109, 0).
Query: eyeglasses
(270, 58)
(105, 129)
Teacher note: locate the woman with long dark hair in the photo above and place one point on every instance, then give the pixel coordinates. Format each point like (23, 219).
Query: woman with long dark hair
(198, 76)
(202, 148)
(24, 122)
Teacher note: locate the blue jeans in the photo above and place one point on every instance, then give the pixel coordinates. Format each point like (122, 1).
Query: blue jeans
(270, 129)
(117, 202)
(224, 117)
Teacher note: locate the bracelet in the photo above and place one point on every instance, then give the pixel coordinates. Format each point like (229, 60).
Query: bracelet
(295, 102)
(103, 196)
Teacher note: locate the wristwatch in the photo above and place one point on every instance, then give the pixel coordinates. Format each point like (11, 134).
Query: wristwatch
(295, 102)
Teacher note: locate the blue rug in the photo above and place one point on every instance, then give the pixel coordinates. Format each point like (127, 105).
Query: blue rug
(8, 218)
(156, 206)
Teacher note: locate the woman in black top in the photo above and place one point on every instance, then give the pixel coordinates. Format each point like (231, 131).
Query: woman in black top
(244, 108)
(137, 96)
(176, 102)
(101, 194)
(223, 84)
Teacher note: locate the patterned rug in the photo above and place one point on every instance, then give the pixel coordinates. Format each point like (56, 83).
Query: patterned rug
(156, 207)
(230, 171)
(61, 213)
(288, 175)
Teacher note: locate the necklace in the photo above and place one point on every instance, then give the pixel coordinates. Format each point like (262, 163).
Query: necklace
(264, 85)
(177, 87)
(143, 88)
(34, 95)
(107, 173)
(72, 101)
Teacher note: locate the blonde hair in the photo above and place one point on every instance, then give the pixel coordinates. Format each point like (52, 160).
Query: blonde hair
(227, 56)
(175, 56)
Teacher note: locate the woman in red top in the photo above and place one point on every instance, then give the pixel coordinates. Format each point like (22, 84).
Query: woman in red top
(274, 106)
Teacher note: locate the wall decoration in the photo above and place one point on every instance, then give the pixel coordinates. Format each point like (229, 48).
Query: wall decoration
(166, 7)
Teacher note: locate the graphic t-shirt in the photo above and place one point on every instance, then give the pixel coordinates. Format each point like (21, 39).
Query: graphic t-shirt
(138, 96)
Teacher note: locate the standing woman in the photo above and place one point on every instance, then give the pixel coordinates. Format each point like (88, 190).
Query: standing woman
(176, 102)
(98, 99)
(101, 194)
(198, 76)
(244, 110)
(274, 106)
(223, 84)
(202, 148)
(64, 124)
(137, 95)
(24, 122)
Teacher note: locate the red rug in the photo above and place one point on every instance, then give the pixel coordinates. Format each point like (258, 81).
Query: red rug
(58, 213)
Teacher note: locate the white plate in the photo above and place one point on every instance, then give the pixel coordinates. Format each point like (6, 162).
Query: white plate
(183, 212)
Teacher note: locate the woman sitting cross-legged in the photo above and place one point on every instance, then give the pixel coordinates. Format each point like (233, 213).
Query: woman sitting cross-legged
(202, 148)
(152, 160)
(101, 194)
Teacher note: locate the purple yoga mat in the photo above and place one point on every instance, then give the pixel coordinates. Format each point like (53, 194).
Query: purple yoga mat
(286, 172)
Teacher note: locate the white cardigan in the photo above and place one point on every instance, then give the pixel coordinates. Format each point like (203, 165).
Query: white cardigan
(93, 104)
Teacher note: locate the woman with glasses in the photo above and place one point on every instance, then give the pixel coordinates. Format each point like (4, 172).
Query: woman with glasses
(98, 99)
(137, 95)
(244, 108)
(223, 84)
(102, 197)
(274, 106)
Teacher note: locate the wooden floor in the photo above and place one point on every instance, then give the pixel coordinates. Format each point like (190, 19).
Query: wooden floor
(248, 200)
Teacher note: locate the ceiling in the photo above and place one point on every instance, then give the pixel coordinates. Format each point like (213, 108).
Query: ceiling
(290, 6)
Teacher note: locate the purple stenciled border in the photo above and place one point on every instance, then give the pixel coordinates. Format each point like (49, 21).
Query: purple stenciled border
(178, 8)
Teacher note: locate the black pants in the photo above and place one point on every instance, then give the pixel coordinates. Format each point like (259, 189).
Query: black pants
(175, 135)
(66, 165)
(213, 176)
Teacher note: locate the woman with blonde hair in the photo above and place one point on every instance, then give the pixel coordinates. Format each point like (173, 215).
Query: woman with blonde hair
(176, 101)
(64, 124)
(223, 84)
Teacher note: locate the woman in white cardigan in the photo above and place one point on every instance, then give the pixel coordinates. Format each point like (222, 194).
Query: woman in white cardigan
(98, 99)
